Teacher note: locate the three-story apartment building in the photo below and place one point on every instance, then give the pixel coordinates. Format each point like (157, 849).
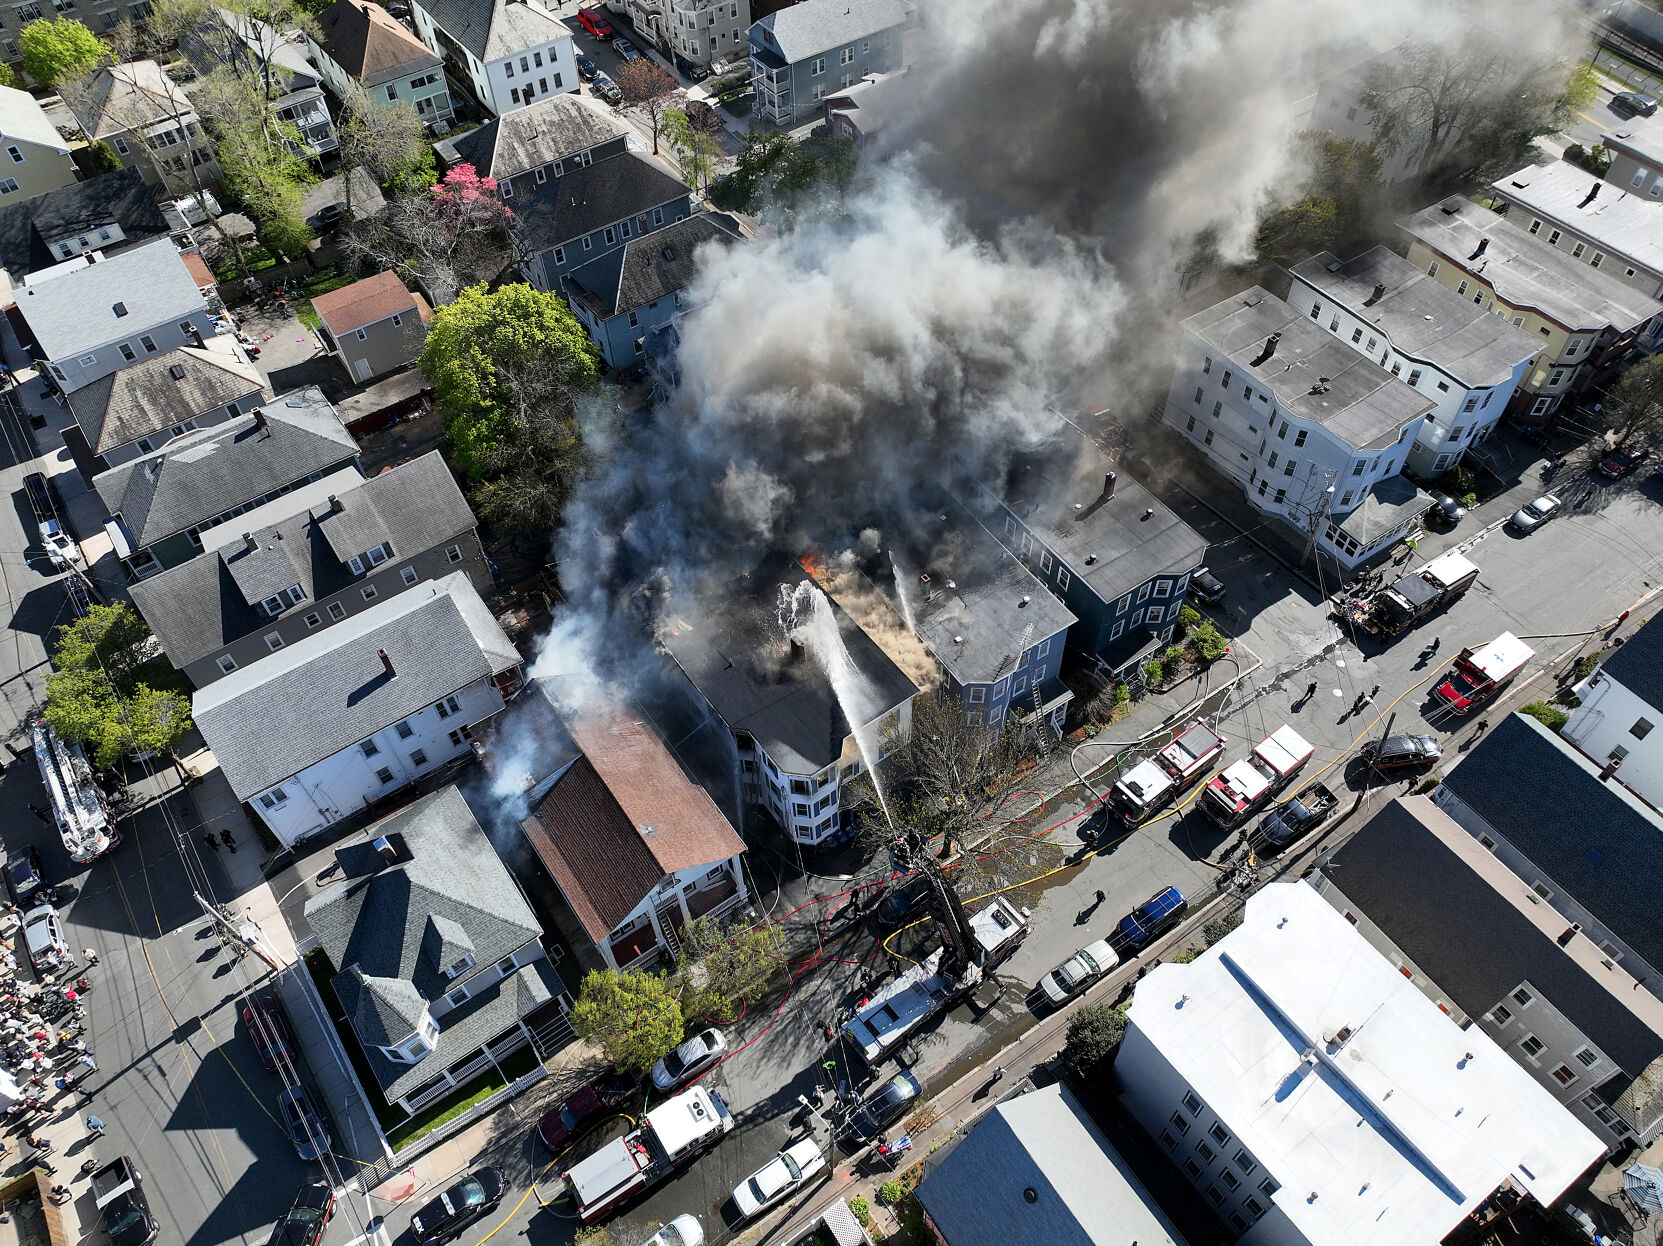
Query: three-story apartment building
(509, 52)
(358, 44)
(801, 54)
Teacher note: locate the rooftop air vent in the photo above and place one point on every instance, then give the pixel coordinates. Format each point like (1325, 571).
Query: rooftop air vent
(177, 371)
(120, 309)
(669, 253)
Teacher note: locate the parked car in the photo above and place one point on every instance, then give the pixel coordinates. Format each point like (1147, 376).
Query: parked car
(269, 1028)
(684, 1230)
(625, 50)
(883, 1107)
(1078, 972)
(466, 1201)
(786, 1172)
(1398, 751)
(1624, 459)
(691, 70)
(43, 933)
(606, 89)
(1446, 510)
(303, 1223)
(1206, 587)
(1155, 916)
(697, 1055)
(1632, 103)
(587, 69)
(306, 1128)
(903, 903)
(1529, 518)
(330, 214)
(24, 875)
(43, 496)
(584, 1107)
(597, 25)
(60, 550)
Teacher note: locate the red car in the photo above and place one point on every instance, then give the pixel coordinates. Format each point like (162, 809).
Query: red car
(584, 1108)
(269, 1029)
(592, 21)
(1622, 461)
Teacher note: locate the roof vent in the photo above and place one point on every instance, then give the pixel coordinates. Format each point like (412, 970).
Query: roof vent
(669, 253)
(1449, 209)
(177, 371)
(1108, 484)
(1268, 349)
(387, 663)
(385, 847)
(1025, 600)
(648, 831)
(120, 309)
(1379, 292)
(1091, 560)
(1593, 193)
(250, 542)
(1483, 246)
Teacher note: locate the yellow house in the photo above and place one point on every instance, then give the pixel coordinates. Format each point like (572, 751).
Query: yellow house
(1585, 321)
(34, 157)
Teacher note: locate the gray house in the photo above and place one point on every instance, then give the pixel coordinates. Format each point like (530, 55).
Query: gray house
(161, 504)
(441, 968)
(97, 319)
(343, 542)
(523, 149)
(1115, 555)
(638, 286)
(804, 53)
(592, 209)
(108, 214)
(373, 326)
(139, 409)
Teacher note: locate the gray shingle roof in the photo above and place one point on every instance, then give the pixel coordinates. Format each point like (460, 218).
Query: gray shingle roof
(647, 268)
(147, 397)
(200, 606)
(1592, 840)
(208, 472)
(545, 131)
(22, 118)
(1638, 664)
(1468, 937)
(125, 97)
(439, 636)
(1384, 507)
(76, 311)
(494, 28)
(600, 194)
(383, 1011)
(119, 198)
(733, 650)
(816, 26)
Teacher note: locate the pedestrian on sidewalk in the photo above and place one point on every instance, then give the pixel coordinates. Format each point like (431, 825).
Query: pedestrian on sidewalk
(87, 1060)
(208, 838)
(89, 957)
(95, 1127)
(225, 838)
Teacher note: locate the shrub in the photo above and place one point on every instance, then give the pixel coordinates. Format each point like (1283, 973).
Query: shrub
(1550, 716)
(861, 1208)
(1122, 693)
(890, 1192)
(1568, 699)
(1172, 661)
(1186, 956)
(1094, 1034)
(1216, 929)
(1152, 672)
(1188, 617)
(1585, 665)
(1210, 646)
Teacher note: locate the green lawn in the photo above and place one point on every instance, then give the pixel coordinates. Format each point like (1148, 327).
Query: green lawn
(319, 283)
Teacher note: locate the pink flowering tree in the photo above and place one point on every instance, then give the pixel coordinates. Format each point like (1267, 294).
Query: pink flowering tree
(447, 238)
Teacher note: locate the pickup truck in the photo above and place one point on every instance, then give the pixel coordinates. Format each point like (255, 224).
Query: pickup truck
(669, 1137)
(119, 1198)
(1299, 816)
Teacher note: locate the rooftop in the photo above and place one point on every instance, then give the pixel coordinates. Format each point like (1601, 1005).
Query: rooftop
(1477, 930)
(1312, 375)
(203, 474)
(1382, 1120)
(205, 603)
(363, 302)
(120, 296)
(492, 29)
(976, 1188)
(439, 636)
(119, 98)
(544, 132)
(1383, 508)
(161, 391)
(1639, 136)
(22, 118)
(29, 228)
(1638, 664)
(583, 200)
(370, 44)
(1615, 219)
(735, 649)
(1608, 858)
(1056, 489)
(621, 818)
(1524, 271)
(815, 26)
(1421, 316)
(648, 267)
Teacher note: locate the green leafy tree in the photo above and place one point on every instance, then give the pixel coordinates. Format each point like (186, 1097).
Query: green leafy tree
(725, 964)
(1094, 1034)
(97, 696)
(633, 1016)
(114, 638)
(387, 140)
(9, 78)
(506, 366)
(60, 50)
(617, 1233)
(1340, 181)
(696, 148)
(1633, 407)
(1550, 716)
(1209, 644)
(97, 159)
(260, 154)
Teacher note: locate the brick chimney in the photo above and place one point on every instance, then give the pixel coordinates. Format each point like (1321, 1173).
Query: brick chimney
(387, 663)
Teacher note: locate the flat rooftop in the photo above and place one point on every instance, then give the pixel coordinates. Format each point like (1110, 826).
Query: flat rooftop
(1382, 1119)
(1421, 316)
(1640, 136)
(1616, 220)
(1312, 375)
(1056, 488)
(1525, 271)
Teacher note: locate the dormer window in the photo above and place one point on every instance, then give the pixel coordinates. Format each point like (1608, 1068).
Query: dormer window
(460, 967)
(379, 555)
(274, 605)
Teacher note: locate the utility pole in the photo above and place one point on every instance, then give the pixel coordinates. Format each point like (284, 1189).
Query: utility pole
(1320, 517)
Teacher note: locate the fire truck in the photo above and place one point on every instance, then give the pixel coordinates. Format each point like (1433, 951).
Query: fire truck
(1247, 785)
(1157, 780)
(1482, 671)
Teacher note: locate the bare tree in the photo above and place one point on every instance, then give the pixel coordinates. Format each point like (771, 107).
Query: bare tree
(446, 239)
(1633, 407)
(384, 138)
(647, 85)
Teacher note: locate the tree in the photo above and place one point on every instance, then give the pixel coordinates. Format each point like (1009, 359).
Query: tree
(723, 964)
(1633, 407)
(9, 78)
(445, 239)
(773, 172)
(1331, 211)
(387, 140)
(96, 695)
(506, 367)
(617, 1233)
(647, 85)
(1094, 1034)
(695, 145)
(633, 1016)
(61, 50)
(96, 159)
(242, 37)
(260, 154)
(1476, 98)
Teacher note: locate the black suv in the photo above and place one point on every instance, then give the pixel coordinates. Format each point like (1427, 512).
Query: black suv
(1397, 751)
(24, 875)
(1206, 587)
(883, 1107)
(303, 1223)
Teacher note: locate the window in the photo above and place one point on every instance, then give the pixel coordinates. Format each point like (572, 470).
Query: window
(361, 335)
(1063, 578)
(368, 592)
(462, 733)
(1226, 379)
(1254, 1207)
(1189, 425)
(1245, 1162)
(378, 554)
(1577, 250)
(1432, 269)
(1345, 499)
(1207, 1154)
(1194, 1169)
(817, 66)
(1269, 1186)
(1586, 1058)
(454, 553)
(1462, 288)
(1531, 1046)
(1299, 438)
(277, 796)
(1356, 336)
(1501, 1014)
(1553, 238)
(1192, 1103)
(447, 707)
(227, 664)
(1455, 433)
(1238, 1222)
(1217, 408)
(1641, 729)
(337, 611)
(1168, 1141)
(149, 344)
(845, 57)
(1207, 363)
(1220, 1134)
(1564, 1075)
(8, 186)
(1180, 1122)
(1198, 392)
(418, 758)
(408, 575)
(1373, 342)
(610, 234)
(385, 775)
(560, 255)
(127, 352)
(274, 641)
(405, 731)
(369, 748)
(1229, 1178)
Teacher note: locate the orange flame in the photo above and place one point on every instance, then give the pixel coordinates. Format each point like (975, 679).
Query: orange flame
(810, 562)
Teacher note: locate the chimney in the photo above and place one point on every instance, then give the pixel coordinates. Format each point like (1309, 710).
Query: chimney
(196, 334)
(1610, 768)
(1593, 194)
(384, 846)
(1483, 245)
(335, 503)
(387, 662)
(1108, 485)
(259, 414)
(798, 653)
(250, 542)
(1379, 293)
(1268, 351)
(1570, 933)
